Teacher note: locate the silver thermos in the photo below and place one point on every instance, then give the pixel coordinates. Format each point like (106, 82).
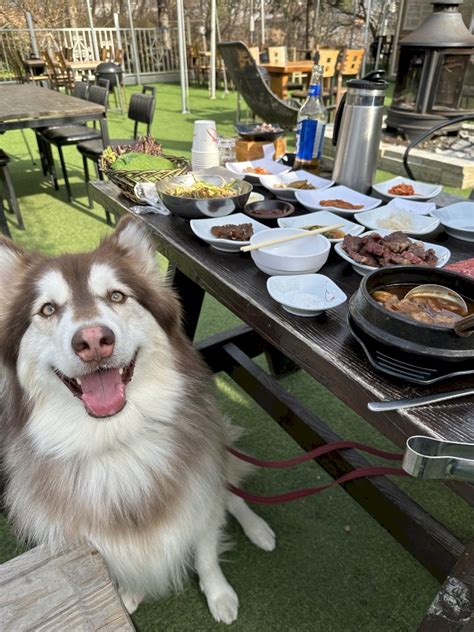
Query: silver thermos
(357, 130)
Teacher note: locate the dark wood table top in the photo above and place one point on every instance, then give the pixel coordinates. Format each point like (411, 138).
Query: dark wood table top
(20, 105)
(323, 346)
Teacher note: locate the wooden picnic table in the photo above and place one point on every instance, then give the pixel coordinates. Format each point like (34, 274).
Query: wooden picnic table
(323, 347)
(279, 75)
(78, 66)
(25, 106)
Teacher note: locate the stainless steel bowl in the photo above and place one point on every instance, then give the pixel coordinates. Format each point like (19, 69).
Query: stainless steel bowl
(191, 208)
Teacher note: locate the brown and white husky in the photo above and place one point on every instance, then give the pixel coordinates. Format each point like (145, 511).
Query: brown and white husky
(110, 432)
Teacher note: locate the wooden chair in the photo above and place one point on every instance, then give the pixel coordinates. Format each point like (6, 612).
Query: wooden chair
(328, 59)
(65, 73)
(57, 79)
(277, 55)
(350, 66)
(255, 52)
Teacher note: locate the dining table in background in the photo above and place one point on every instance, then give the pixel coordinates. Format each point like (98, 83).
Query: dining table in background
(325, 349)
(280, 74)
(27, 106)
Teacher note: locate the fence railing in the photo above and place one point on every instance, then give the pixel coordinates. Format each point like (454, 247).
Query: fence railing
(153, 56)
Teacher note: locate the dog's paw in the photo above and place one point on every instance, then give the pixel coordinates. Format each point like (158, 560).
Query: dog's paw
(130, 601)
(261, 534)
(224, 605)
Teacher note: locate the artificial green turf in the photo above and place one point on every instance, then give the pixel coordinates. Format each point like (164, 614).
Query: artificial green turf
(335, 569)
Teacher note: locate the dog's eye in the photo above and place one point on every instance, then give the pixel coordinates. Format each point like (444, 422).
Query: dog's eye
(48, 309)
(117, 297)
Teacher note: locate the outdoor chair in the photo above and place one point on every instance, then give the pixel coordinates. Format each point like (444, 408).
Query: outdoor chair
(326, 57)
(140, 110)
(250, 84)
(8, 191)
(350, 66)
(71, 135)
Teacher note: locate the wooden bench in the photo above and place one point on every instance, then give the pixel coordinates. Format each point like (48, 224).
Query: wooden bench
(55, 593)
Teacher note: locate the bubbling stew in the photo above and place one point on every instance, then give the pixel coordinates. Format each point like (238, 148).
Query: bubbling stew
(424, 309)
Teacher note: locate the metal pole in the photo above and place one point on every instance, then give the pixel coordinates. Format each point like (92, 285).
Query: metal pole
(393, 61)
(262, 20)
(31, 28)
(252, 24)
(316, 39)
(218, 30)
(134, 44)
(182, 56)
(381, 35)
(95, 46)
(354, 15)
(212, 78)
(366, 35)
(119, 35)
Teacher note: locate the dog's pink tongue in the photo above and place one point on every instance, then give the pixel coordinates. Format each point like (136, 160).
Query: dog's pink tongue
(103, 392)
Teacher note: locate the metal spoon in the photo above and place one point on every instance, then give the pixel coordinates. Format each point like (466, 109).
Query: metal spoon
(438, 291)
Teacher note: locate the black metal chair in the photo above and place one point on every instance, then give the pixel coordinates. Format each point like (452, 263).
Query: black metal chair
(140, 110)
(72, 135)
(251, 85)
(8, 192)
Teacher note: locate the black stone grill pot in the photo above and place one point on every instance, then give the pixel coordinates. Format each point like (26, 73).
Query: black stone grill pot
(110, 72)
(405, 348)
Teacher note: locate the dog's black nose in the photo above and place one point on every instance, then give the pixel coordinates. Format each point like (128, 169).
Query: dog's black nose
(93, 343)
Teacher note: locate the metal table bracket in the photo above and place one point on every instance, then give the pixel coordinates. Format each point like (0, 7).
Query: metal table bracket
(428, 458)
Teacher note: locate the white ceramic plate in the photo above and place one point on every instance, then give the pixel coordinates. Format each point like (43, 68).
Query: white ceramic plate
(420, 208)
(321, 218)
(202, 229)
(457, 220)
(410, 223)
(312, 200)
(441, 252)
(305, 294)
(423, 190)
(256, 197)
(275, 168)
(288, 194)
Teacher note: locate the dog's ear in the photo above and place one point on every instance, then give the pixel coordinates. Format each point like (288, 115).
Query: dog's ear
(138, 243)
(14, 262)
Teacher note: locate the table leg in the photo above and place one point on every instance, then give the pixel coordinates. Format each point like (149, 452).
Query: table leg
(3, 220)
(191, 296)
(278, 85)
(279, 364)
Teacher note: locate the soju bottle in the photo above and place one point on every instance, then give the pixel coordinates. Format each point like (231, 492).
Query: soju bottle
(312, 119)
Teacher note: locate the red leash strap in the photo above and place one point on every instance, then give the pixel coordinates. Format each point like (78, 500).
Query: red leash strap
(314, 454)
(360, 472)
(310, 491)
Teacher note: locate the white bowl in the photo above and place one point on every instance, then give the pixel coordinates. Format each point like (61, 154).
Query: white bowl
(441, 252)
(423, 190)
(202, 229)
(312, 200)
(275, 168)
(292, 257)
(305, 294)
(288, 194)
(420, 208)
(321, 218)
(415, 225)
(457, 220)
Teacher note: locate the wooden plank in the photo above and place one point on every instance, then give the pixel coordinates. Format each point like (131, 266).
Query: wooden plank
(453, 607)
(54, 593)
(26, 102)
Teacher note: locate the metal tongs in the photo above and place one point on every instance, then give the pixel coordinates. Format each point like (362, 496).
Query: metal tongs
(428, 458)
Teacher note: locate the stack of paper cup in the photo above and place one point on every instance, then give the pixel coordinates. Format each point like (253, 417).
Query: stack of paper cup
(205, 150)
